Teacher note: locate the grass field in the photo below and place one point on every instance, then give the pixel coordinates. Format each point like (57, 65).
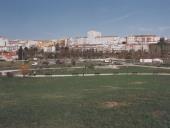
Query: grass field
(124, 69)
(85, 102)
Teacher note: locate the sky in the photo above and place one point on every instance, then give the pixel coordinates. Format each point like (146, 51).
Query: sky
(52, 19)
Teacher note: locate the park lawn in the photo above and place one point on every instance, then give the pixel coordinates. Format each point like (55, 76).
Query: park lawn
(10, 65)
(85, 102)
(122, 69)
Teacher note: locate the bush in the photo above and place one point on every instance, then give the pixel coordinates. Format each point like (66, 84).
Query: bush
(46, 63)
(73, 62)
(10, 74)
(48, 74)
(134, 72)
(97, 73)
(0, 74)
(75, 73)
(91, 66)
(115, 72)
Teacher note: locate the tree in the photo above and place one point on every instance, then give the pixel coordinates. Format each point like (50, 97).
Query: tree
(25, 53)
(20, 53)
(161, 44)
(24, 69)
(73, 62)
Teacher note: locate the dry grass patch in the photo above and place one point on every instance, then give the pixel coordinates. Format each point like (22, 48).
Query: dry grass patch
(111, 87)
(158, 114)
(89, 89)
(122, 88)
(113, 104)
(137, 83)
(52, 96)
(7, 103)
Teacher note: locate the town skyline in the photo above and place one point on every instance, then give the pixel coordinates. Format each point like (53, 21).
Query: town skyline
(86, 36)
(41, 19)
(93, 39)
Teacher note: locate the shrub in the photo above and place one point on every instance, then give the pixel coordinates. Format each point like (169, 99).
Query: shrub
(10, 74)
(91, 66)
(73, 62)
(24, 69)
(48, 74)
(0, 74)
(75, 73)
(97, 73)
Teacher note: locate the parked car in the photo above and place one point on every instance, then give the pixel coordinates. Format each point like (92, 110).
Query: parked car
(46, 63)
(34, 63)
(59, 61)
(1, 74)
(10, 74)
(35, 59)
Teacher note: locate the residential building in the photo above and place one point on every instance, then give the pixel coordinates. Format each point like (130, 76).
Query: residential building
(3, 41)
(142, 39)
(160, 50)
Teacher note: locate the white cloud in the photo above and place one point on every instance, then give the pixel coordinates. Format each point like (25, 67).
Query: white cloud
(117, 19)
(164, 28)
(143, 29)
(121, 18)
(159, 29)
(50, 33)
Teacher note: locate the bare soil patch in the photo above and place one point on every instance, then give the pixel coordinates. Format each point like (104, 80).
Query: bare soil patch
(52, 96)
(158, 114)
(89, 89)
(137, 83)
(113, 104)
(111, 87)
(7, 103)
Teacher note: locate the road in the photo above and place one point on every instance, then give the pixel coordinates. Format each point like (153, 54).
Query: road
(144, 66)
(108, 74)
(35, 69)
(109, 66)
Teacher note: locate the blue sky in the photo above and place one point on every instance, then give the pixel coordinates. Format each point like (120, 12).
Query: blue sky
(51, 19)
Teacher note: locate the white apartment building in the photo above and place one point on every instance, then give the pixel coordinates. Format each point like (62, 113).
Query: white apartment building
(91, 37)
(118, 47)
(142, 39)
(49, 49)
(3, 41)
(109, 40)
(78, 41)
(95, 40)
(93, 34)
(137, 47)
(94, 37)
(31, 43)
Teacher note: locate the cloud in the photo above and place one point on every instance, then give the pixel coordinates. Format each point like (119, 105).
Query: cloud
(143, 29)
(117, 19)
(164, 28)
(154, 29)
(157, 30)
(121, 18)
(49, 33)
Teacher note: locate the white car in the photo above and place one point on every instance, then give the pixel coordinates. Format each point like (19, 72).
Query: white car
(34, 63)
(2, 58)
(35, 59)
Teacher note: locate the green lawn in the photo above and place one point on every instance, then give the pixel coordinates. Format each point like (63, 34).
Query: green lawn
(85, 102)
(124, 69)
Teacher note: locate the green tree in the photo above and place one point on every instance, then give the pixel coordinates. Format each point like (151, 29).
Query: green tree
(161, 44)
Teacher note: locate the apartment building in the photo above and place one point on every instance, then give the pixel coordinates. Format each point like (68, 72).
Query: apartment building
(142, 39)
(3, 41)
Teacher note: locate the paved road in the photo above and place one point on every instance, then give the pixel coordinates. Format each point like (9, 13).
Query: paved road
(132, 65)
(144, 66)
(35, 69)
(108, 74)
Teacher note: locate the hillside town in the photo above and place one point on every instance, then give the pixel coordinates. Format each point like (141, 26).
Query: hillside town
(94, 45)
(84, 63)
